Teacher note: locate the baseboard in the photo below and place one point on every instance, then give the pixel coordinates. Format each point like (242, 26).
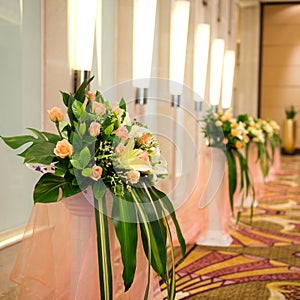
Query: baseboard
(11, 236)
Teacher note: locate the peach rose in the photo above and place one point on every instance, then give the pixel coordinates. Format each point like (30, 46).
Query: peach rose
(122, 132)
(96, 172)
(120, 149)
(234, 132)
(94, 129)
(219, 123)
(234, 125)
(133, 176)
(91, 95)
(63, 149)
(146, 137)
(238, 144)
(144, 156)
(225, 141)
(56, 114)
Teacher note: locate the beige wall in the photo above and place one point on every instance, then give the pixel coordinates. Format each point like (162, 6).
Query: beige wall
(280, 81)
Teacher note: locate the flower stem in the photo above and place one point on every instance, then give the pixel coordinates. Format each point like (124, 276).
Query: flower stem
(57, 126)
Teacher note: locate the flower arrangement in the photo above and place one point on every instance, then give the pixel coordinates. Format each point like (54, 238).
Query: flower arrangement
(102, 148)
(229, 134)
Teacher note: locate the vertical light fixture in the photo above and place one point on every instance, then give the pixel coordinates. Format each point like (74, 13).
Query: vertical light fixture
(81, 19)
(227, 80)
(144, 14)
(201, 50)
(216, 66)
(178, 42)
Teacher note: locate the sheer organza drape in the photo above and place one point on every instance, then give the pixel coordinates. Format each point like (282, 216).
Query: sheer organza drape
(58, 256)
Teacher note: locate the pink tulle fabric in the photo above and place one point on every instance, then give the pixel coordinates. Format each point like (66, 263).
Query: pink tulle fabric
(58, 256)
(207, 207)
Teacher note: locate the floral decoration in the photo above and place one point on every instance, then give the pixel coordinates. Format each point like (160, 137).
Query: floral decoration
(99, 146)
(229, 134)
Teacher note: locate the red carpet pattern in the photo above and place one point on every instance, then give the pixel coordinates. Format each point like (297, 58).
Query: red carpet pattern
(263, 261)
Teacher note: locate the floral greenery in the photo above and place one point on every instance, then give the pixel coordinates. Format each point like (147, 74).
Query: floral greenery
(102, 148)
(290, 112)
(224, 132)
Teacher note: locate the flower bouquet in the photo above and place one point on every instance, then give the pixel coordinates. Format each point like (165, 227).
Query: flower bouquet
(262, 133)
(227, 133)
(100, 148)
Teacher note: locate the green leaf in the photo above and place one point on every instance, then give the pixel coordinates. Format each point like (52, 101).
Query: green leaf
(122, 104)
(82, 129)
(15, 142)
(41, 152)
(47, 188)
(232, 177)
(99, 189)
(80, 93)
(84, 157)
(77, 108)
(87, 172)
(127, 235)
(76, 164)
(109, 129)
(66, 98)
(103, 247)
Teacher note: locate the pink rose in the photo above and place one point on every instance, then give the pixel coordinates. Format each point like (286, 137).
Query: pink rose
(94, 129)
(63, 149)
(122, 132)
(98, 108)
(119, 149)
(133, 176)
(96, 172)
(56, 114)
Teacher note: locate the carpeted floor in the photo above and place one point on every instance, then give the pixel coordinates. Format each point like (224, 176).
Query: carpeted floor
(263, 262)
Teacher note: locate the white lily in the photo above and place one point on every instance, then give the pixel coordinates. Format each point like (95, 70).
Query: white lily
(130, 159)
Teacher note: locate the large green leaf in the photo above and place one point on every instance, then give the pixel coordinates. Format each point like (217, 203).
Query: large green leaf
(41, 153)
(154, 228)
(47, 188)
(103, 244)
(53, 138)
(162, 197)
(124, 220)
(80, 93)
(15, 142)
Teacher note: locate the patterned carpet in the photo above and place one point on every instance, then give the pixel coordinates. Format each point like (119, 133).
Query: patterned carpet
(263, 262)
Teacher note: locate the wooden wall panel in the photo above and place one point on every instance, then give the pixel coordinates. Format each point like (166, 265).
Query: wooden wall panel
(280, 64)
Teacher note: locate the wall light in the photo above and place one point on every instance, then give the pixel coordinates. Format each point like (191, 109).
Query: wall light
(143, 38)
(178, 42)
(201, 50)
(216, 66)
(227, 81)
(81, 19)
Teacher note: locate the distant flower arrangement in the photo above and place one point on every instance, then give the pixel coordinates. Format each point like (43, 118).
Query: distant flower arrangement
(101, 147)
(233, 135)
